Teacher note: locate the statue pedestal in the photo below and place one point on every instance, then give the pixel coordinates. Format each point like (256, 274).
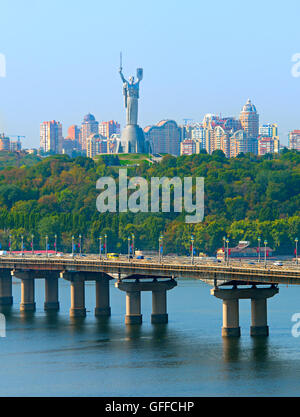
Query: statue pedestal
(133, 140)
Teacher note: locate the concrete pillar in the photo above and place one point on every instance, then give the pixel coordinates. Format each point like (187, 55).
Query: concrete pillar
(102, 298)
(133, 291)
(77, 298)
(27, 295)
(133, 308)
(231, 326)
(159, 307)
(51, 294)
(259, 322)
(231, 297)
(6, 298)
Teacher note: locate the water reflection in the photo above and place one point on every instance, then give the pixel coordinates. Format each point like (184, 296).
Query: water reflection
(260, 348)
(231, 349)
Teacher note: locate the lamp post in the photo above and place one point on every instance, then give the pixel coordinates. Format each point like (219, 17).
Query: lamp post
(72, 246)
(9, 244)
(100, 247)
(80, 251)
(296, 241)
(192, 248)
(265, 243)
(129, 241)
(161, 240)
(224, 247)
(105, 237)
(47, 246)
(32, 248)
(227, 242)
(133, 245)
(55, 244)
(259, 240)
(22, 250)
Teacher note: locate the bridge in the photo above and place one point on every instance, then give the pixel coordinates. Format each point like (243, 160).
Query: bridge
(135, 276)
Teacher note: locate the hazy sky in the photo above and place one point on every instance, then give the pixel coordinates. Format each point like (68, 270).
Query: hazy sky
(198, 57)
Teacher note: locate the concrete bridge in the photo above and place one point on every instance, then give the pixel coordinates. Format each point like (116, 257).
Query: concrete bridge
(135, 276)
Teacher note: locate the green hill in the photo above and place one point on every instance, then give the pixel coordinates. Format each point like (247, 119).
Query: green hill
(245, 197)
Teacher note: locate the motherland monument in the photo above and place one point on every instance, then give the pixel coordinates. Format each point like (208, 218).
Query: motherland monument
(133, 140)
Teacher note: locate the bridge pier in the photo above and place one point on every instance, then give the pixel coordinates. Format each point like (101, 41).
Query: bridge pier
(159, 307)
(133, 299)
(77, 297)
(51, 293)
(102, 297)
(231, 325)
(133, 308)
(6, 298)
(231, 297)
(27, 290)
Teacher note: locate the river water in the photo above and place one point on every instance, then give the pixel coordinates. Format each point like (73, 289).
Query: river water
(46, 355)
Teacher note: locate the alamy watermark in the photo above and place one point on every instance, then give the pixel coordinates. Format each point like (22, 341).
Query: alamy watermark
(296, 326)
(2, 326)
(296, 67)
(2, 66)
(139, 202)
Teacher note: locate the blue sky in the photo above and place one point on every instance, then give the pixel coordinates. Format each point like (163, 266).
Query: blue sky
(198, 57)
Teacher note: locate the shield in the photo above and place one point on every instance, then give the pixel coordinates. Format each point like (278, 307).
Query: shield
(139, 73)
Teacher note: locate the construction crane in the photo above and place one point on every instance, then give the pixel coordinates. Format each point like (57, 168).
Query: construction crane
(17, 151)
(16, 136)
(186, 121)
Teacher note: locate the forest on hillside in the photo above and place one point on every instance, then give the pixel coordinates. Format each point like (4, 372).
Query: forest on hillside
(245, 197)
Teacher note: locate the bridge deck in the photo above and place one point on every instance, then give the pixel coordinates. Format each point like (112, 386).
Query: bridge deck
(244, 273)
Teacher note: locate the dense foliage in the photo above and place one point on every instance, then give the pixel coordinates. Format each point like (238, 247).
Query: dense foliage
(245, 197)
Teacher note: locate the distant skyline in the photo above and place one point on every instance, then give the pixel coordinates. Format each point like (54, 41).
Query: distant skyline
(62, 61)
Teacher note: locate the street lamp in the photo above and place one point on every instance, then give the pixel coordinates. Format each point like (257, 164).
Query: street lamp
(22, 238)
(105, 237)
(296, 241)
(227, 242)
(192, 248)
(161, 247)
(133, 245)
(32, 248)
(9, 244)
(129, 241)
(259, 240)
(224, 246)
(47, 246)
(72, 246)
(55, 244)
(80, 237)
(265, 243)
(100, 247)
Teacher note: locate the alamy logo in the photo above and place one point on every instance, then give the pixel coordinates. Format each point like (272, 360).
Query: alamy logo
(296, 326)
(2, 326)
(296, 67)
(2, 66)
(139, 201)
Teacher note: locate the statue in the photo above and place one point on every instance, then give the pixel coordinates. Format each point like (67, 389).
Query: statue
(133, 136)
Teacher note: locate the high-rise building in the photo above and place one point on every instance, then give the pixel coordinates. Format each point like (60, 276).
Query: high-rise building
(269, 130)
(74, 134)
(51, 138)
(96, 144)
(240, 143)
(249, 119)
(110, 128)
(88, 127)
(294, 140)
(4, 143)
(163, 137)
(266, 145)
(190, 147)
(15, 146)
